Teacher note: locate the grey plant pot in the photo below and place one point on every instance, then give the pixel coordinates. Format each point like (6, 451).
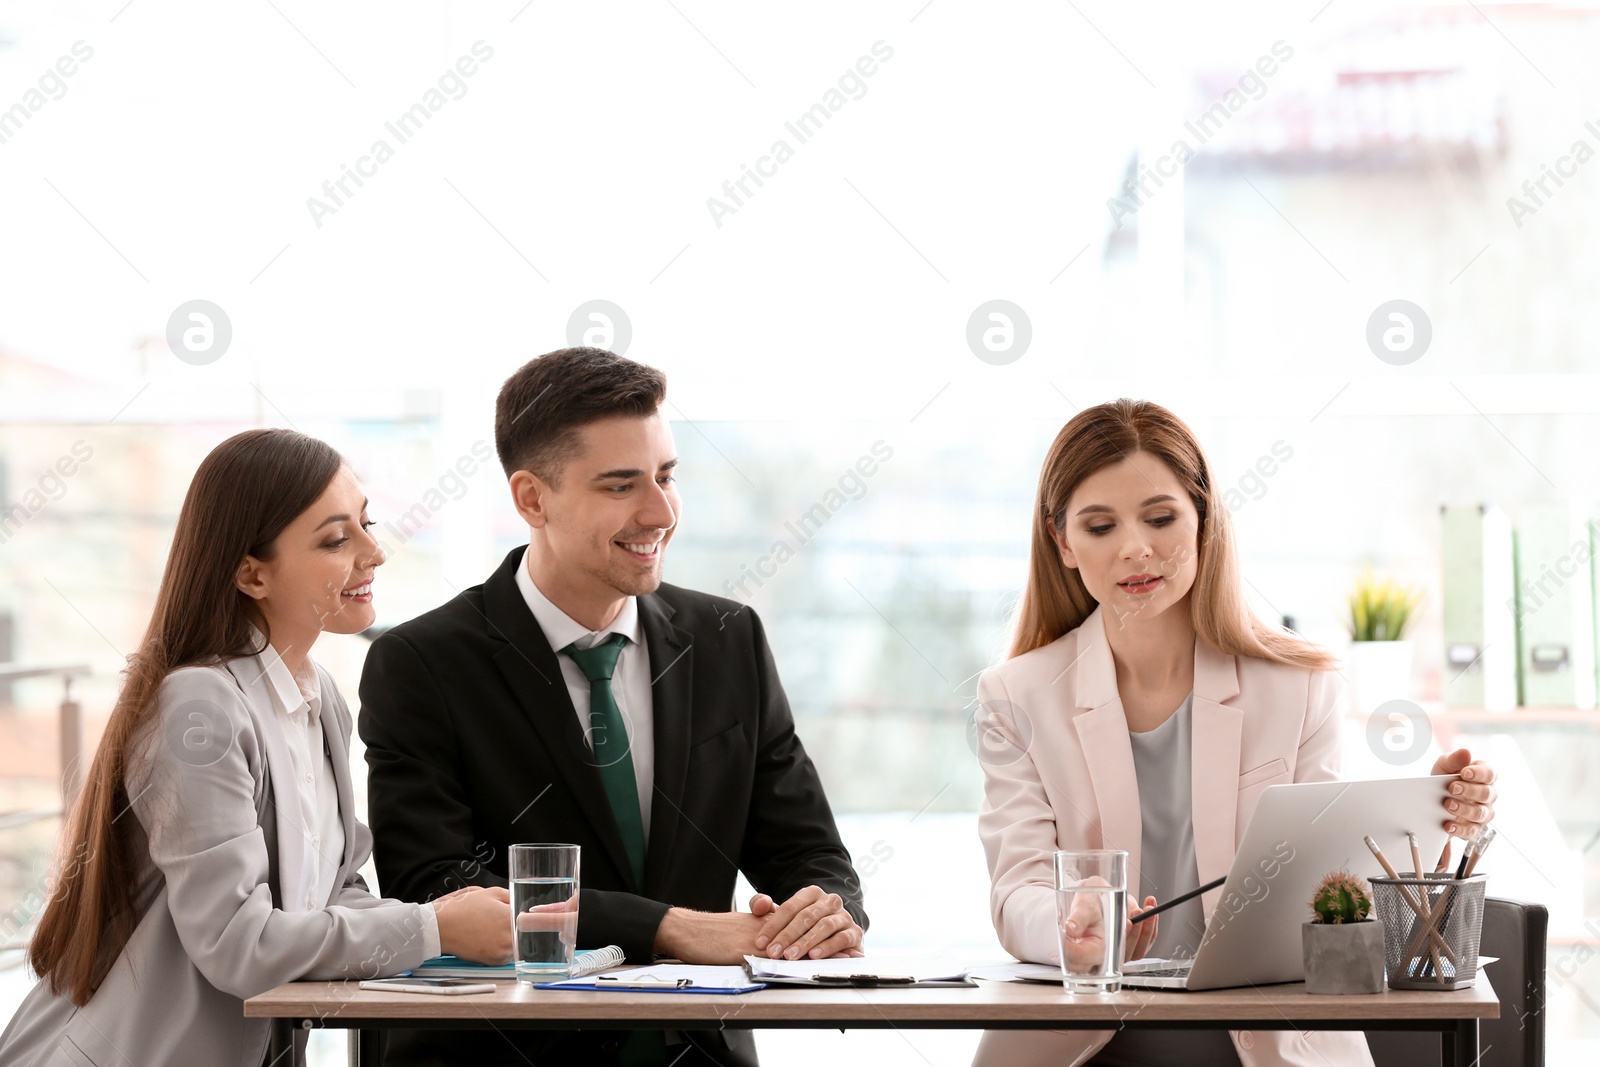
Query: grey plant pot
(1343, 957)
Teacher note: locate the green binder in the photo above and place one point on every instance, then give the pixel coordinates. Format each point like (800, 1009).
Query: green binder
(1479, 609)
(1555, 607)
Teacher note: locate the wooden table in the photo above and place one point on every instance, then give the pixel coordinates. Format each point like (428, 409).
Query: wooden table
(989, 1006)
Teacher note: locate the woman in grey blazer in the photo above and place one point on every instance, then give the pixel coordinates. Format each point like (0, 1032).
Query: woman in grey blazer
(213, 851)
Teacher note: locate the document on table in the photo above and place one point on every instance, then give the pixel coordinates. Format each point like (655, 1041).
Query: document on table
(665, 978)
(1018, 972)
(924, 969)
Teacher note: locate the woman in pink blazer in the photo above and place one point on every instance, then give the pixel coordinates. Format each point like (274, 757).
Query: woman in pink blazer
(1141, 705)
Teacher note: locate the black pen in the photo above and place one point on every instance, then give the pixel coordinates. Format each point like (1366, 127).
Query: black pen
(1466, 854)
(1175, 901)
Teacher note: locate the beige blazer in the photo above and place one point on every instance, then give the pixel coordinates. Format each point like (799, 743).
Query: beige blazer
(1058, 774)
(205, 792)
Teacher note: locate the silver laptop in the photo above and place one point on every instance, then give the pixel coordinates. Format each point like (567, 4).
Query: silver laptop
(1298, 833)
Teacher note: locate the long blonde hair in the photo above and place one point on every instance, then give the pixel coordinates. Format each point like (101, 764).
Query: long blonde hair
(1056, 601)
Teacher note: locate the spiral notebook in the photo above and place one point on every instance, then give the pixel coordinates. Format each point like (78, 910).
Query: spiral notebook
(585, 962)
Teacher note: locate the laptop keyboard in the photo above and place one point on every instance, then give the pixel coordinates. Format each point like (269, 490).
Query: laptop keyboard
(1159, 969)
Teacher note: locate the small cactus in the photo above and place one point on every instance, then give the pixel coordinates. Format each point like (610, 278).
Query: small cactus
(1341, 898)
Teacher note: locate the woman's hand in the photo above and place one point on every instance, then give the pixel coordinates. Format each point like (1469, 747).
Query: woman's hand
(475, 924)
(1470, 806)
(436, 901)
(1083, 934)
(1142, 935)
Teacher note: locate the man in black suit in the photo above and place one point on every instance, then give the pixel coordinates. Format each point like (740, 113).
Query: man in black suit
(573, 697)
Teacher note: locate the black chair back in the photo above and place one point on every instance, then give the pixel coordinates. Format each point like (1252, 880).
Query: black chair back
(1515, 931)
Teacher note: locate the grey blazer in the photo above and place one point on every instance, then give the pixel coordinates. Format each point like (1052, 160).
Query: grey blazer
(212, 931)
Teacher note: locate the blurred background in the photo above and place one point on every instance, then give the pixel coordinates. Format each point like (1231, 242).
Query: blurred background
(1344, 241)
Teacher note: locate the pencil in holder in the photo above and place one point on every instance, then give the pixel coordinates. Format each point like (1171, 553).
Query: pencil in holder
(1431, 927)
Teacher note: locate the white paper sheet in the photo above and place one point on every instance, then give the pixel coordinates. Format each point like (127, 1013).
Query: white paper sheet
(1017, 972)
(924, 968)
(702, 977)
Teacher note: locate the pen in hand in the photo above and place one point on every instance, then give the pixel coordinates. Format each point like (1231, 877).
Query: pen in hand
(1175, 901)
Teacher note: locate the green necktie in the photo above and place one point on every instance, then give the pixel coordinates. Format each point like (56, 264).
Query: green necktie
(611, 748)
(613, 754)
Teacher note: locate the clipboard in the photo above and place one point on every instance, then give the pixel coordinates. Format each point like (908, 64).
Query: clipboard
(883, 972)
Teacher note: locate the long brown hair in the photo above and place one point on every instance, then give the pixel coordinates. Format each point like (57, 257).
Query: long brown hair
(1056, 601)
(247, 490)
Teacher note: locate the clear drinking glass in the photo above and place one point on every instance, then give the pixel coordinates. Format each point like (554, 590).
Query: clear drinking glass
(1091, 918)
(544, 910)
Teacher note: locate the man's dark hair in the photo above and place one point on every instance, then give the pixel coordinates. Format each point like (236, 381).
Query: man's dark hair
(542, 407)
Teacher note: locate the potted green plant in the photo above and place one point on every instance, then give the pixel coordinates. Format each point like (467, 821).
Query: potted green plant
(1379, 613)
(1343, 944)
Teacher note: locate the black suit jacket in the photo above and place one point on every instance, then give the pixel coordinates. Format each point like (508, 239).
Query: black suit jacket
(473, 745)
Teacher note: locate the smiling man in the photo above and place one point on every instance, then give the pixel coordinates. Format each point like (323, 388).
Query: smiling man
(574, 697)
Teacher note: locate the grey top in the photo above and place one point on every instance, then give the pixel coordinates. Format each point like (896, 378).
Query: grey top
(1162, 764)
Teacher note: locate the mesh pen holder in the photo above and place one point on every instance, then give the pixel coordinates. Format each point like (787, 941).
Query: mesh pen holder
(1431, 927)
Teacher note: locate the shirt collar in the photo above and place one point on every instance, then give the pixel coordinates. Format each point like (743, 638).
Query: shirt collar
(561, 629)
(292, 694)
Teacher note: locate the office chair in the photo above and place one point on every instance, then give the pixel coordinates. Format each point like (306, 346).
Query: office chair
(1513, 930)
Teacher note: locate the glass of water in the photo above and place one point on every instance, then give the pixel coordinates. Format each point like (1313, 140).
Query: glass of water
(544, 910)
(1091, 917)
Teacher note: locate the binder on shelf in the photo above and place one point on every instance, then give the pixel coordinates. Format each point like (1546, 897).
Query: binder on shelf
(1555, 607)
(1594, 591)
(1479, 608)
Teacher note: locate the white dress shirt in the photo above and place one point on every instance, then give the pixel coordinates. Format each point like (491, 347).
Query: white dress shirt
(298, 702)
(630, 682)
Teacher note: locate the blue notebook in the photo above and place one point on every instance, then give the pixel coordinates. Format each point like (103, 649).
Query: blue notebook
(585, 962)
